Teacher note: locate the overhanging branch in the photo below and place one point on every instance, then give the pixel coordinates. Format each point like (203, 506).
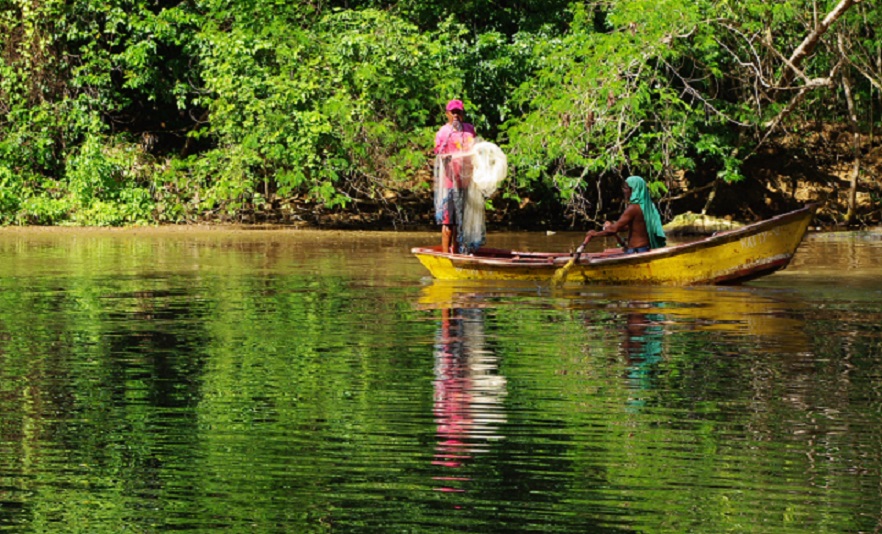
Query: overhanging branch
(811, 41)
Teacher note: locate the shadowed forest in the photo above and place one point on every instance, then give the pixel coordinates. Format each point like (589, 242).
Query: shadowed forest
(123, 112)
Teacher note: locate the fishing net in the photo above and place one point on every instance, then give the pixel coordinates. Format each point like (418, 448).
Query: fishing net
(489, 168)
(464, 179)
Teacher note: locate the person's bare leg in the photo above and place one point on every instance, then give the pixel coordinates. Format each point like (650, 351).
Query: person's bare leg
(454, 246)
(445, 238)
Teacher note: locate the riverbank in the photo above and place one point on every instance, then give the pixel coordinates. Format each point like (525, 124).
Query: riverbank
(815, 167)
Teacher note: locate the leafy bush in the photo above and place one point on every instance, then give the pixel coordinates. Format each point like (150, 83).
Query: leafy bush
(104, 182)
(128, 111)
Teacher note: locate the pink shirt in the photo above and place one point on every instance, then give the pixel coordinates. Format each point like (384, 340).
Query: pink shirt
(447, 140)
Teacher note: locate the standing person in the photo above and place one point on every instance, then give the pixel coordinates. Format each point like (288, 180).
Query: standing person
(641, 219)
(452, 173)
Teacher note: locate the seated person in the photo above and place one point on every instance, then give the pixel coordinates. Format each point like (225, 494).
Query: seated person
(641, 219)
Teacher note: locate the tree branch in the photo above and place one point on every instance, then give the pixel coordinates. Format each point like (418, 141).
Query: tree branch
(812, 39)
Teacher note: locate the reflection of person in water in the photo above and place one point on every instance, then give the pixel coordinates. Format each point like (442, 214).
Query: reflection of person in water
(468, 392)
(643, 351)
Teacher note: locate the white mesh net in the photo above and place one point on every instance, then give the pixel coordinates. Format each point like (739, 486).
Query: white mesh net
(489, 168)
(463, 181)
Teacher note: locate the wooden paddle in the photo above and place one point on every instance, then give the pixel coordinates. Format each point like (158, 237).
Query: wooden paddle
(560, 275)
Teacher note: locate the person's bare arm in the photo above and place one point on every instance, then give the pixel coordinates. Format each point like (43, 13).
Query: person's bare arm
(614, 228)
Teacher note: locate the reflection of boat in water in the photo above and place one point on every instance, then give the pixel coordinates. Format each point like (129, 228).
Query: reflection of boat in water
(728, 257)
(736, 310)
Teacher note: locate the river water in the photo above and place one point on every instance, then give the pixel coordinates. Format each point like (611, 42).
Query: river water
(295, 381)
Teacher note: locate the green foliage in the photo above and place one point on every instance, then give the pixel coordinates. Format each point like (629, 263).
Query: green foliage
(104, 184)
(504, 17)
(75, 69)
(123, 111)
(604, 103)
(319, 112)
(10, 194)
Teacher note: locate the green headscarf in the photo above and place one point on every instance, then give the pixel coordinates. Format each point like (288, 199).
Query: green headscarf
(640, 196)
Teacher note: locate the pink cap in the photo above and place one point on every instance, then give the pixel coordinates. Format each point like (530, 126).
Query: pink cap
(455, 104)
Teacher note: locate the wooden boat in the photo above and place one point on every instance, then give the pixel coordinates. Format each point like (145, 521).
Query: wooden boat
(729, 257)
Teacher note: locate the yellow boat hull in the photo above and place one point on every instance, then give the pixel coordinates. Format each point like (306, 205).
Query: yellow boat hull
(728, 257)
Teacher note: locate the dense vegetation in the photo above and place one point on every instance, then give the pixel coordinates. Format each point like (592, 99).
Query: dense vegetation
(137, 111)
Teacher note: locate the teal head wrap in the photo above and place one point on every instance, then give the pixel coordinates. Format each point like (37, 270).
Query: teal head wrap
(640, 195)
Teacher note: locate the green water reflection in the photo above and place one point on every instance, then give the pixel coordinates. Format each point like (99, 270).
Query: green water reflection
(275, 381)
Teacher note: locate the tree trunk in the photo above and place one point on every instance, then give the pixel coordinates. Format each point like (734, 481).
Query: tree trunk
(710, 196)
(855, 143)
(856, 151)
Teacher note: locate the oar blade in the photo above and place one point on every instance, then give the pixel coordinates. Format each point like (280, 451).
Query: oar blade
(560, 275)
